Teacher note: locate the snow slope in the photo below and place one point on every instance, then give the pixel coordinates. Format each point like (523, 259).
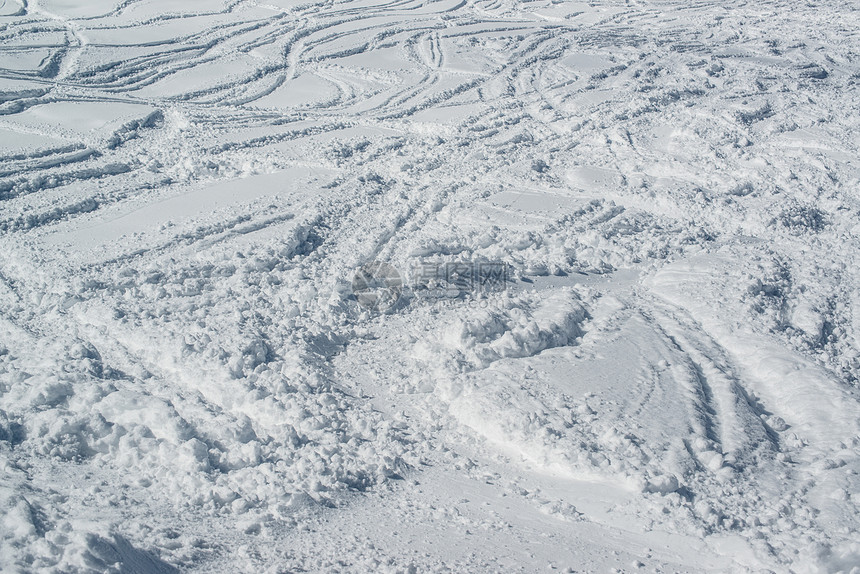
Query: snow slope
(669, 380)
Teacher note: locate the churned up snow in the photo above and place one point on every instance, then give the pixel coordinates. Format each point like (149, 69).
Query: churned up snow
(429, 286)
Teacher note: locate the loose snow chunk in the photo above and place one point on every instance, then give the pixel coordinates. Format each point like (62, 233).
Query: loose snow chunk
(663, 484)
(129, 409)
(517, 328)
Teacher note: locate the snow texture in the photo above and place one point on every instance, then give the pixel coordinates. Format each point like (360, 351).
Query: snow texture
(642, 352)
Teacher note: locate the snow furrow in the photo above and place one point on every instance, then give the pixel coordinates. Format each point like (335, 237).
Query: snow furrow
(406, 286)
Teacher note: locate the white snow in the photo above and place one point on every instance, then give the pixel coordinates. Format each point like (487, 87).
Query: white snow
(627, 238)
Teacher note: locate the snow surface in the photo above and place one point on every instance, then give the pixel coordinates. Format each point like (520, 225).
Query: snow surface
(669, 380)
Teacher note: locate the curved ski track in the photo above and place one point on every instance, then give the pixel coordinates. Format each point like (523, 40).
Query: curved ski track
(197, 346)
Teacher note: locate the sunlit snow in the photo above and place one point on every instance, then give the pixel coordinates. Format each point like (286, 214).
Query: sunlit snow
(429, 286)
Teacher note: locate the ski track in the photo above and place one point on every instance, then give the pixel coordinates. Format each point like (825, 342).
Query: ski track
(670, 381)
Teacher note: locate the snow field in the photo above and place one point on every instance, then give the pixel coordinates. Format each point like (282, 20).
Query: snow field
(668, 382)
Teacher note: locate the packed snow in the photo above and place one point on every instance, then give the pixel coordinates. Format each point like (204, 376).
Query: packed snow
(429, 286)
